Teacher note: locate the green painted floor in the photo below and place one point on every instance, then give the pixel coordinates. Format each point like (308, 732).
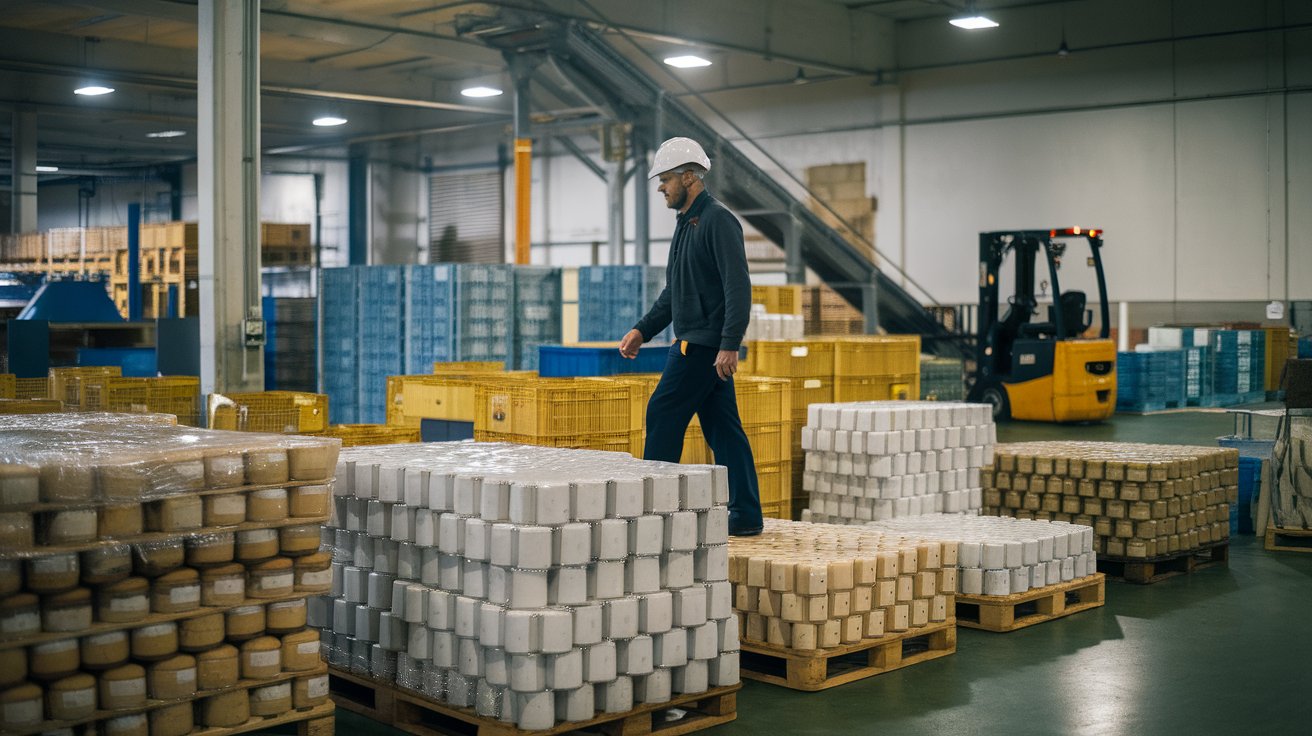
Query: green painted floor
(1220, 651)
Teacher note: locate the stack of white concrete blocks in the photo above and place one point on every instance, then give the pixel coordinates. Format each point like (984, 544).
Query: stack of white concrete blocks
(869, 461)
(536, 585)
(999, 555)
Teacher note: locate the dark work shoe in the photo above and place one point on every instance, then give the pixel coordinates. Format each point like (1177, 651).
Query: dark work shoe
(745, 532)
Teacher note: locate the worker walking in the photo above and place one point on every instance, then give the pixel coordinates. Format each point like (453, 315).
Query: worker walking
(708, 297)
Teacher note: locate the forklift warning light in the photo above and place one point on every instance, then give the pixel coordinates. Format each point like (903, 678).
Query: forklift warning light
(1092, 233)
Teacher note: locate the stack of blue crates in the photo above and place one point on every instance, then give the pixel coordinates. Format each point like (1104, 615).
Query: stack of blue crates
(381, 308)
(613, 298)
(338, 334)
(1250, 482)
(537, 313)
(1240, 366)
(1150, 381)
(430, 311)
(483, 327)
(1198, 376)
(1305, 347)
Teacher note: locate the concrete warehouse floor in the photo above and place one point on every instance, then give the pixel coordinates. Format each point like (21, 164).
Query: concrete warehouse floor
(1220, 651)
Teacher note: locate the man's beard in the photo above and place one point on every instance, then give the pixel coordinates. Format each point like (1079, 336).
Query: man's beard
(676, 202)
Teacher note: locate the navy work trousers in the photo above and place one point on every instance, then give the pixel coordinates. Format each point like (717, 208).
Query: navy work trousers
(690, 386)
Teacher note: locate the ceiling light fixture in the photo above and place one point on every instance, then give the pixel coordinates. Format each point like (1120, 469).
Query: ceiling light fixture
(46, 169)
(329, 121)
(687, 62)
(973, 22)
(166, 134)
(93, 90)
(481, 91)
(801, 77)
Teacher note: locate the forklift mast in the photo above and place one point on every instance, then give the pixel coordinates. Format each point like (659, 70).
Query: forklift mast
(996, 335)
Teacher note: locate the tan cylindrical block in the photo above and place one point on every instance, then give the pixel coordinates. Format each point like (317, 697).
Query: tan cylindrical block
(271, 700)
(105, 565)
(295, 541)
(176, 592)
(314, 573)
(123, 687)
(17, 530)
(174, 514)
(20, 615)
(171, 720)
(52, 574)
(71, 526)
(20, 485)
(71, 698)
(309, 691)
(101, 651)
(13, 666)
(285, 616)
(73, 481)
(53, 660)
(226, 710)
(120, 521)
(244, 622)
(224, 585)
(127, 477)
(300, 651)
(200, 633)
(225, 468)
(152, 559)
(211, 549)
(313, 462)
(218, 668)
(257, 544)
(267, 467)
(123, 602)
(11, 577)
(134, 725)
(69, 611)
(261, 658)
(172, 678)
(157, 641)
(225, 509)
(308, 501)
(21, 707)
(266, 505)
(270, 579)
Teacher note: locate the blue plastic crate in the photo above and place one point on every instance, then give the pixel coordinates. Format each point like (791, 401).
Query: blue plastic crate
(339, 347)
(440, 430)
(1250, 483)
(1150, 381)
(1305, 347)
(613, 298)
(562, 361)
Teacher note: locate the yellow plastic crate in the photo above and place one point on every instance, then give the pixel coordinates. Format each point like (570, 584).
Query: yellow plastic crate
(65, 383)
(771, 443)
(30, 406)
(792, 358)
(876, 355)
(355, 435)
(552, 407)
(31, 388)
(450, 397)
(882, 388)
(774, 482)
(786, 299)
(176, 395)
(807, 391)
(642, 385)
(7, 386)
(295, 412)
(468, 366)
(606, 441)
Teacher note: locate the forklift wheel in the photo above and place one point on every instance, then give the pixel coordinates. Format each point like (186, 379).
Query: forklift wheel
(996, 396)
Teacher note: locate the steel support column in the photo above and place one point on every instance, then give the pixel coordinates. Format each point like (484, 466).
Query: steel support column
(615, 202)
(641, 205)
(870, 306)
(794, 267)
(228, 123)
(23, 161)
(357, 204)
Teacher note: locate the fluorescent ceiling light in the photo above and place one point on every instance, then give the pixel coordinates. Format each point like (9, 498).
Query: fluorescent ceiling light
(973, 22)
(687, 62)
(329, 121)
(480, 91)
(166, 134)
(46, 169)
(93, 90)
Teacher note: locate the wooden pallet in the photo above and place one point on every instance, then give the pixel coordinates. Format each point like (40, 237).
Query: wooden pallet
(1157, 569)
(1288, 540)
(317, 721)
(416, 714)
(821, 669)
(1003, 613)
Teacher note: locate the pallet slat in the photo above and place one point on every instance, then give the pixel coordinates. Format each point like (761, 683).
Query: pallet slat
(413, 713)
(821, 669)
(1288, 540)
(1003, 613)
(1157, 569)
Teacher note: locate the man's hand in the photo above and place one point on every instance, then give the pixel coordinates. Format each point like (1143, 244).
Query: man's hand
(630, 343)
(726, 364)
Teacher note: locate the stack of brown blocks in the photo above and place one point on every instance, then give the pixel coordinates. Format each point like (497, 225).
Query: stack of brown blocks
(1143, 501)
(818, 586)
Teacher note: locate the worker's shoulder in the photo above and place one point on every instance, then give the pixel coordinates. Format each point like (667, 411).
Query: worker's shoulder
(716, 213)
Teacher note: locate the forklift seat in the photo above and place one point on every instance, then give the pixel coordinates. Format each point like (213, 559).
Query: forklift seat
(1074, 315)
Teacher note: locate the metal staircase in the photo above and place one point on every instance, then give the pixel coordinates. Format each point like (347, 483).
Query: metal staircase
(608, 80)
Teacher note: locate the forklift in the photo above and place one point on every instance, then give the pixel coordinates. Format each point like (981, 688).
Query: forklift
(1041, 371)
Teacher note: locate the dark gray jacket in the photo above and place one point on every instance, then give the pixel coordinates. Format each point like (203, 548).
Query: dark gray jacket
(707, 292)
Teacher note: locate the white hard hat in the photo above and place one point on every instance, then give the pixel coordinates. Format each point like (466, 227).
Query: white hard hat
(675, 153)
